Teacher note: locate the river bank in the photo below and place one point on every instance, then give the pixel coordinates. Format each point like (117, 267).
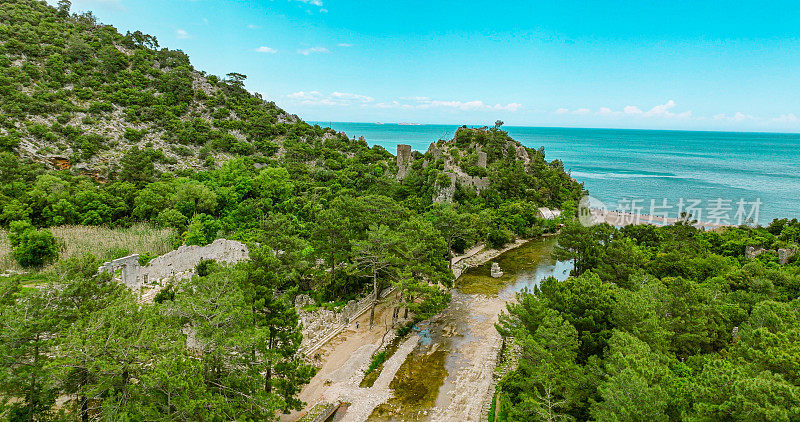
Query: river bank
(462, 340)
(479, 255)
(444, 371)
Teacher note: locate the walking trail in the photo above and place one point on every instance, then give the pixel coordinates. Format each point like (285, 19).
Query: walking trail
(468, 386)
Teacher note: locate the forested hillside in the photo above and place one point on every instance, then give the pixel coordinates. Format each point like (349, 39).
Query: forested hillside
(77, 93)
(658, 324)
(103, 129)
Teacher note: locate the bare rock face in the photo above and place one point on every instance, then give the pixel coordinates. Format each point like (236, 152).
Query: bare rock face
(303, 300)
(751, 252)
(785, 254)
(482, 159)
(445, 194)
(496, 271)
(403, 160)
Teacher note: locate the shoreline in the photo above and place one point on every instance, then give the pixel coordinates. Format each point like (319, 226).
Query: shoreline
(621, 219)
(479, 255)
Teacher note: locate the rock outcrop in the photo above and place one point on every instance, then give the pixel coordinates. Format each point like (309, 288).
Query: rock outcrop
(496, 271)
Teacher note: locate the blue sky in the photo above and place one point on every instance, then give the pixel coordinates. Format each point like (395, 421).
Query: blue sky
(718, 65)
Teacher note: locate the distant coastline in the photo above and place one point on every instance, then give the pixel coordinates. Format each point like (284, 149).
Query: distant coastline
(327, 123)
(616, 165)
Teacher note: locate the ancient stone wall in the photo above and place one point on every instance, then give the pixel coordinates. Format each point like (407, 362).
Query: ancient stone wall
(321, 324)
(403, 160)
(129, 266)
(445, 194)
(482, 159)
(178, 264)
(785, 254)
(751, 251)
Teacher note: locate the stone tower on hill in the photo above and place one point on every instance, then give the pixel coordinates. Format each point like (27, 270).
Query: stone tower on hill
(403, 160)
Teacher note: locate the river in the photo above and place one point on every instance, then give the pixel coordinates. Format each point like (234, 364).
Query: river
(449, 375)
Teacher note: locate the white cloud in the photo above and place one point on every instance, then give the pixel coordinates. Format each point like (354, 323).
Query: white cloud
(336, 98)
(605, 111)
(182, 34)
(317, 3)
(352, 97)
(312, 50)
(425, 103)
(344, 44)
(251, 26)
(661, 110)
(736, 117)
(265, 49)
(302, 95)
(786, 118)
(632, 110)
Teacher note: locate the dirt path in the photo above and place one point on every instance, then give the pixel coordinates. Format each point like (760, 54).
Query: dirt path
(468, 386)
(348, 354)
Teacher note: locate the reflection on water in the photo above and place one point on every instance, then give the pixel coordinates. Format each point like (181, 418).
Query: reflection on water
(427, 376)
(523, 267)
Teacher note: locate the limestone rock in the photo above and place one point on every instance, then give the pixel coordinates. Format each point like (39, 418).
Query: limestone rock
(751, 251)
(785, 254)
(496, 271)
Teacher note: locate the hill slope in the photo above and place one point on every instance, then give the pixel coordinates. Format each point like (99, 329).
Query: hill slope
(79, 94)
(166, 143)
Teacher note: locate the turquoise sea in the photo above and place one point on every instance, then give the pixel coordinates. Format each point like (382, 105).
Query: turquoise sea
(651, 167)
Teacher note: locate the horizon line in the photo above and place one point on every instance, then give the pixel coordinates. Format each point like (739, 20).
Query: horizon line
(329, 122)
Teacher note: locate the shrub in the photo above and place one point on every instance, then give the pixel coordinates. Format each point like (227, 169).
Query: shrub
(134, 135)
(166, 294)
(145, 258)
(498, 237)
(31, 248)
(171, 217)
(205, 267)
(202, 230)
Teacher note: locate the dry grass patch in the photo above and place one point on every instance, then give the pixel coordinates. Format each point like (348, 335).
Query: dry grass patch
(101, 242)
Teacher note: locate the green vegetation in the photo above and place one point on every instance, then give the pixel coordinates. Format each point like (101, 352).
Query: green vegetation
(31, 247)
(103, 242)
(223, 345)
(415, 386)
(660, 323)
(374, 370)
(376, 365)
(117, 146)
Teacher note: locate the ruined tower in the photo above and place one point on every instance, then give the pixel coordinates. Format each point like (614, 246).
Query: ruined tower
(403, 160)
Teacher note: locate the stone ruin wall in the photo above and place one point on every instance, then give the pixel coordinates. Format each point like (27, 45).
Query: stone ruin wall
(784, 254)
(178, 264)
(321, 323)
(403, 160)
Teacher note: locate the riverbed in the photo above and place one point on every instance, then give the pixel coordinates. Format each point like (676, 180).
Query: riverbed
(449, 376)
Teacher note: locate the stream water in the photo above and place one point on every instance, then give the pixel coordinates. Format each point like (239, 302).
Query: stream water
(455, 346)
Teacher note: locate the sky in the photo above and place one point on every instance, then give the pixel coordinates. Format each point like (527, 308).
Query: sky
(693, 65)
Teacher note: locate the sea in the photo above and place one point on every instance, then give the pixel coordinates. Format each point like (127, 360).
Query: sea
(719, 177)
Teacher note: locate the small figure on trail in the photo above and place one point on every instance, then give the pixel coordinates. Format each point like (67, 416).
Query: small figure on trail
(356, 325)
